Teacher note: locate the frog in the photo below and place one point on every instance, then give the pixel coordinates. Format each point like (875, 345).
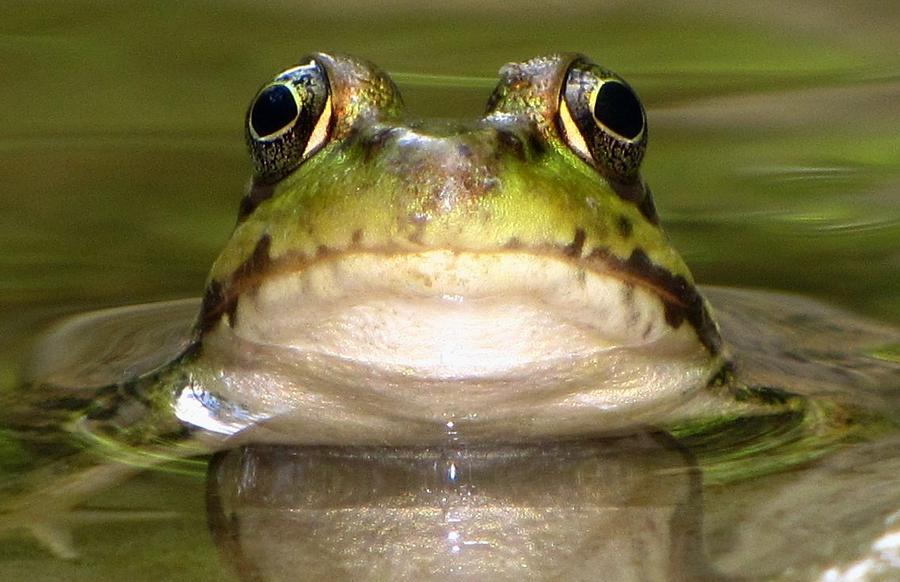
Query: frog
(401, 282)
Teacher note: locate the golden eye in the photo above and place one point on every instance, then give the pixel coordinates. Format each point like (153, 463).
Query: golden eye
(602, 120)
(288, 120)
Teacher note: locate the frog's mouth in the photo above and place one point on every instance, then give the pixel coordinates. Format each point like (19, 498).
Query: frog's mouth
(513, 342)
(454, 314)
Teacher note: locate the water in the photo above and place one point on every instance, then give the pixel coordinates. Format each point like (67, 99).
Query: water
(774, 158)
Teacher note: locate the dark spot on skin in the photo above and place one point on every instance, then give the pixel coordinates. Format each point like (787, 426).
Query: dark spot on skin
(510, 143)
(639, 193)
(118, 405)
(681, 300)
(628, 300)
(374, 143)
(349, 140)
(624, 226)
(513, 244)
(574, 248)
(212, 307)
(380, 137)
(524, 145)
(494, 99)
(537, 144)
(725, 375)
(180, 434)
(674, 315)
(259, 192)
(356, 239)
(418, 223)
(221, 299)
(464, 150)
(231, 312)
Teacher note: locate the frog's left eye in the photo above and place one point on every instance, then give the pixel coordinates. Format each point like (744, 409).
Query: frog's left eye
(602, 120)
(288, 120)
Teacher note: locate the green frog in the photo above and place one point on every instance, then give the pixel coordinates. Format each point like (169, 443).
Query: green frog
(410, 283)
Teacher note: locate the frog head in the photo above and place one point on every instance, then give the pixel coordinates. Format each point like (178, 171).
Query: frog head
(513, 260)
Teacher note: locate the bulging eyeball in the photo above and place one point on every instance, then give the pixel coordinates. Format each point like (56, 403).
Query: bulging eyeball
(602, 120)
(288, 120)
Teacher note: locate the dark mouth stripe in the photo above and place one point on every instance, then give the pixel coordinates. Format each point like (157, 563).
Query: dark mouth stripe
(574, 248)
(681, 300)
(221, 299)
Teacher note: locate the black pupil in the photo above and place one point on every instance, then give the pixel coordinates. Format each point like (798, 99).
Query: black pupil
(274, 108)
(618, 108)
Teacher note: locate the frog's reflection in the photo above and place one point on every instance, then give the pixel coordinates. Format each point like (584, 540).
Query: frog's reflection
(615, 509)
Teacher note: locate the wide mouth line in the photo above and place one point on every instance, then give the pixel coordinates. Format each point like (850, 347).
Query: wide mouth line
(600, 262)
(678, 297)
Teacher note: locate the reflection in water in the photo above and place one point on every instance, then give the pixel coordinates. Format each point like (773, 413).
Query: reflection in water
(834, 520)
(628, 507)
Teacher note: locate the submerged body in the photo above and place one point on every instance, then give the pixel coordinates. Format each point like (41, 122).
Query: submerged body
(395, 282)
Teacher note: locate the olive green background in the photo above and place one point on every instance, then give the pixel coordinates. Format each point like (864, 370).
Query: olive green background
(774, 157)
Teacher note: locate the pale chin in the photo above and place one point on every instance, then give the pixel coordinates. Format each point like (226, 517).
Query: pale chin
(512, 342)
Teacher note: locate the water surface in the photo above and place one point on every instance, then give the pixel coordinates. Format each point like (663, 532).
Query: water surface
(774, 158)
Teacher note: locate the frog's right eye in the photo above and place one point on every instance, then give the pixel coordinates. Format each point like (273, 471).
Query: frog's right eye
(602, 120)
(289, 120)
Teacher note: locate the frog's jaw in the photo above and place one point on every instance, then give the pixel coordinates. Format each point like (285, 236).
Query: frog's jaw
(443, 313)
(443, 332)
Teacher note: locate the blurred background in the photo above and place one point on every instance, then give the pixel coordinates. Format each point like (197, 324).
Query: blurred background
(774, 150)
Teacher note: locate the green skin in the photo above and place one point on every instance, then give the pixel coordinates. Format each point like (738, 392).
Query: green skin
(539, 199)
(363, 191)
(519, 182)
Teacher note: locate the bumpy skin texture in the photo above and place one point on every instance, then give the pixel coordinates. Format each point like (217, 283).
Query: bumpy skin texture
(508, 182)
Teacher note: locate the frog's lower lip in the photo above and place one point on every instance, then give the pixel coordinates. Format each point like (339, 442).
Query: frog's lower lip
(449, 313)
(530, 344)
